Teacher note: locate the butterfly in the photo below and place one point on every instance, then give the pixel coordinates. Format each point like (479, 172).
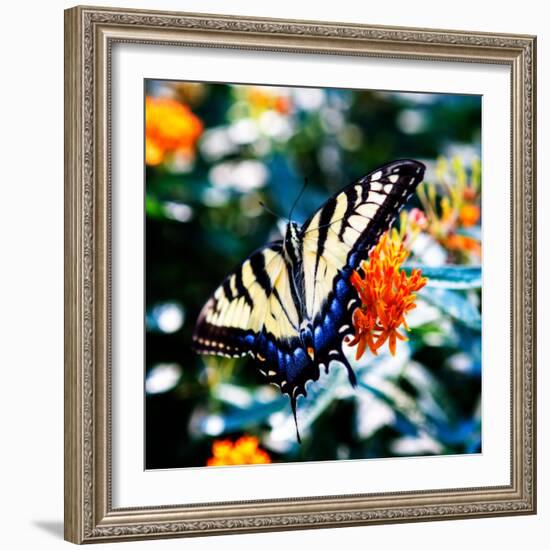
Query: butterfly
(290, 304)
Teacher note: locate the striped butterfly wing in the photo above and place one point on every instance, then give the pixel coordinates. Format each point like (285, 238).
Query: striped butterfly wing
(252, 312)
(337, 238)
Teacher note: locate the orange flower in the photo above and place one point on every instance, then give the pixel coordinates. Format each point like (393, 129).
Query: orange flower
(170, 127)
(452, 206)
(243, 451)
(387, 295)
(463, 243)
(469, 215)
(263, 99)
(469, 193)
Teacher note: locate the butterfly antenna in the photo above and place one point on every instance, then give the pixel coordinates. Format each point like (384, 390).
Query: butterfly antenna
(267, 209)
(306, 181)
(293, 405)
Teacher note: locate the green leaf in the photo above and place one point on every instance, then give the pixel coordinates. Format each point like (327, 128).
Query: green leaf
(398, 400)
(449, 276)
(153, 207)
(455, 304)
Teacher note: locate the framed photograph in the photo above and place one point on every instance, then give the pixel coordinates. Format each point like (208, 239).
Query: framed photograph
(300, 274)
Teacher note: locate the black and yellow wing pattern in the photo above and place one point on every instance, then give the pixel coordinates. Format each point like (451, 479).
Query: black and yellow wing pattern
(255, 299)
(290, 304)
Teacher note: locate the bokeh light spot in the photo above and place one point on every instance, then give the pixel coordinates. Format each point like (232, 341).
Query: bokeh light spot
(162, 378)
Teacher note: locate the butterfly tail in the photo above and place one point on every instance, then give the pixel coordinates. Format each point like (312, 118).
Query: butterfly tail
(293, 405)
(351, 374)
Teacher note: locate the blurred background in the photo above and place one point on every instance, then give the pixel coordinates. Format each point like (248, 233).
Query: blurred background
(213, 152)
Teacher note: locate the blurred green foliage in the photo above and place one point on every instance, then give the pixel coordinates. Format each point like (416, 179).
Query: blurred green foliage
(203, 218)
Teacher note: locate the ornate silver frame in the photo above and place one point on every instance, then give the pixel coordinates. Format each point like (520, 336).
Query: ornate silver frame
(89, 36)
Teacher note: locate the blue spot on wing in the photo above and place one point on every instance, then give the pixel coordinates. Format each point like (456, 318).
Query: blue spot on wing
(287, 361)
(334, 322)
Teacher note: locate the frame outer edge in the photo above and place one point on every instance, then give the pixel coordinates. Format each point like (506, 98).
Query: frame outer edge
(88, 513)
(73, 372)
(530, 266)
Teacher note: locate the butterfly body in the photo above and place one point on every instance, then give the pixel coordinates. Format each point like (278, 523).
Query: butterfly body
(290, 304)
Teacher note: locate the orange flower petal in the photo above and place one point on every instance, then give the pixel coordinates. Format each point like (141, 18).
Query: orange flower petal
(469, 215)
(243, 451)
(170, 126)
(386, 293)
(361, 346)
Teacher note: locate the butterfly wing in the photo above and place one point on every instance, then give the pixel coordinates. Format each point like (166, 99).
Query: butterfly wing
(253, 312)
(335, 240)
(256, 311)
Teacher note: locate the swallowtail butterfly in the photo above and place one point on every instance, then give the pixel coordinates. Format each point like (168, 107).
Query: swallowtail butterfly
(289, 305)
